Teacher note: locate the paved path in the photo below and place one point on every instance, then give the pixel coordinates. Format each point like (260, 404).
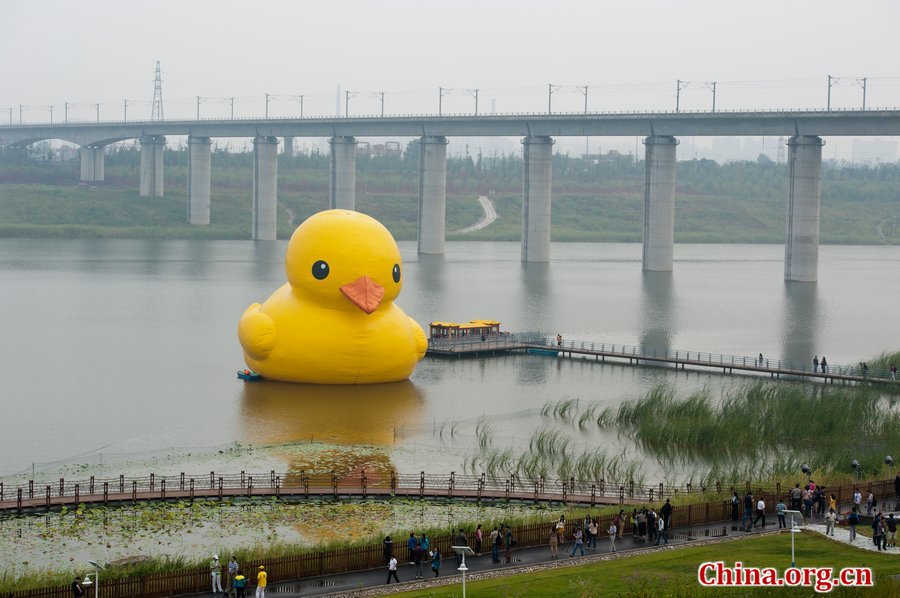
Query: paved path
(372, 581)
(490, 215)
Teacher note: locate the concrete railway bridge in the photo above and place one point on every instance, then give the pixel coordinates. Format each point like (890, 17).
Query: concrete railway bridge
(804, 129)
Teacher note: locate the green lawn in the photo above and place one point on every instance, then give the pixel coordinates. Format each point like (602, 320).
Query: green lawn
(674, 572)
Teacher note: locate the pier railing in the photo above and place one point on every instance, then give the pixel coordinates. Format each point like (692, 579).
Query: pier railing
(41, 495)
(544, 342)
(719, 359)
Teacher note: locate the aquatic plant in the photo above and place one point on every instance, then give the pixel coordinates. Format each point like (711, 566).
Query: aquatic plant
(762, 429)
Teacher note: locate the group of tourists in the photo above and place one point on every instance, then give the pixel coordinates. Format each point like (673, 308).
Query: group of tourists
(646, 524)
(420, 550)
(236, 581)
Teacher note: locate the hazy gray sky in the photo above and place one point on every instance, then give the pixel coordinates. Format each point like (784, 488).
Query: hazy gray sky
(767, 53)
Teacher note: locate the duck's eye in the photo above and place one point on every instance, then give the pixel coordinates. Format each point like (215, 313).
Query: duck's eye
(396, 273)
(320, 270)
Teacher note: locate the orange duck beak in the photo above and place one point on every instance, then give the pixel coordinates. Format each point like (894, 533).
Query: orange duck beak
(365, 293)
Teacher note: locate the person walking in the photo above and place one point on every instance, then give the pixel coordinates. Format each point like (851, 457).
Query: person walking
(215, 570)
(460, 540)
(662, 532)
(853, 521)
(392, 570)
(666, 513)
(824, 365)
(411, 545)
(418, 557)
(891, 525)
(830, 518)
(579, 542)
(436, 561)
(748, 511)
(478, 539)
(232, 571)
(560, 529)
(870, 503)
(878, 531)
(262, 580)
(760, 512)
(612, 536)
(735, 506)
(508, 538)
(387, 548)
(815, 364)
(796, 497)
(554, 544)
(497, 540)
(779, 510)
(77, 589)
(593, 530)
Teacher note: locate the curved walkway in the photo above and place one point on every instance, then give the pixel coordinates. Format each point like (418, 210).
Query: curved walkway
(488, 218)
(371, 582)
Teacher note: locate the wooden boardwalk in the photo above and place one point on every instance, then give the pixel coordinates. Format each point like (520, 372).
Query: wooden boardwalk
(726, 364)
(39, 497)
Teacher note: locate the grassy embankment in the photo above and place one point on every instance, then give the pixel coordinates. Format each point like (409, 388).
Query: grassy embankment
(715, 204)
(673, 573)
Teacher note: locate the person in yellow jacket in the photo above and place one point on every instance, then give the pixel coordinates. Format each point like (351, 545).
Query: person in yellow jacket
(261, 582)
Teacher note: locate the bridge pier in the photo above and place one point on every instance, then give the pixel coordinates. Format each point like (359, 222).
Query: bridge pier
(343, 173)
(265, 188)
(152, 147)
(288, 148)
(432, 194)
(538, 158)
(801, 247)
(659, 203)
(199, 173)
(91, 163)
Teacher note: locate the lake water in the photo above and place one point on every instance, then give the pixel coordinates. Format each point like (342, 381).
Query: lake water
(116, 349)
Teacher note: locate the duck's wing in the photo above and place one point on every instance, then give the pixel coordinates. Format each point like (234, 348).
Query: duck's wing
(421, 339)
(257, 332)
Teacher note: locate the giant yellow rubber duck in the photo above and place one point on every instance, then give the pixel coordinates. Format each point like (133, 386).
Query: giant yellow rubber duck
(335, 321)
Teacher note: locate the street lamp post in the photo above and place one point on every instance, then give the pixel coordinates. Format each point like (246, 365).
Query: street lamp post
(96, 583)
(807, 470)
(463, 550)
(856, 467)
(795, 529)
(889, 461)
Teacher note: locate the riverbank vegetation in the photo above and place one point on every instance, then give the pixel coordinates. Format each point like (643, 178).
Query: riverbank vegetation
(597, 200)
(760, 431)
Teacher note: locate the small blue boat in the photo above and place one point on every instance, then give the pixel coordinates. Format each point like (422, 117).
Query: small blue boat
(248, 376)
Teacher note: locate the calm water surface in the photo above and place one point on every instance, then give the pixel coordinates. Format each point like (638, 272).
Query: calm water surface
(123, 347)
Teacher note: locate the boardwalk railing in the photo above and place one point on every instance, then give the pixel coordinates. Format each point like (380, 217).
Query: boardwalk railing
(41, 495)
(354, 558)
(531, 340)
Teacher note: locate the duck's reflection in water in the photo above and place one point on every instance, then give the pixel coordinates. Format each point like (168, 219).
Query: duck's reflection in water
(332, 419)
